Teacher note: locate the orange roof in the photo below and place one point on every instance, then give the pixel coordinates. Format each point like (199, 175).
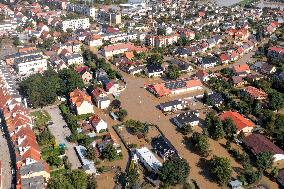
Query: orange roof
(255, 92)
(129, 55)
(77, 97)
(241, 68)
(240, 121)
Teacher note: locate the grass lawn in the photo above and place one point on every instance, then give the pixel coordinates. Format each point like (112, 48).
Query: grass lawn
(41, 117)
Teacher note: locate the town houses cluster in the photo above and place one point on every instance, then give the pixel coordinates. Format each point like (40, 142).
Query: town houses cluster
(122, 88)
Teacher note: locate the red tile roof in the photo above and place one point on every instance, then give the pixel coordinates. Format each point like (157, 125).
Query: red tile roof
(255, 92)
(239, 120)
(241, 68)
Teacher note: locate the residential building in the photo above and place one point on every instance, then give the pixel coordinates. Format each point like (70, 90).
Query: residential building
(98, 123)
(81, 102)
(243, 124)
(258, 143)
(100, 97)
(82, 9)
(154, 70)
(85, 74)
(94, 40)
(175, 87)
(255, 93)
(120, 48)
(208, 62)
(161, 41)
(30, 64)
(216, 99)
(173, 105)
(73, 59)
(111, 18)
(163, 147)
(275, 52)
(187, 118)
(87, 165)
(241, 70)
(75, 24)
(148, 159)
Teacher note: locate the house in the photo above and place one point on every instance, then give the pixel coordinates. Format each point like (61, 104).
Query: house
(241, 69)
(154, 70)
(234, 55)
(148, 159)
(81, 102)
(275, 52)
(187, 118)
(75, 24)
(183, 66)
(202, 75)
(120, 48)
(109, 139)
(72, 58)
(87, 165)
(243, 124)
(236, 184)
(85, 74)
(98, 123)
(216, 99)
(94, 40)
(175, 87)
(224, 58)
(173, 105)
(100, 97)
(258, 143)
(264, 68)
(208, 62)
(238, 81)
(163, 147)
(255, 93)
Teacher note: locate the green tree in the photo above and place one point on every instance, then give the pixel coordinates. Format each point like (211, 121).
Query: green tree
(264, 161)
(220, 169)
(92, 182)
(248, 175)
(186, 129)
(276, 100)
(122, 113)
(71, 79)
(200, 143)
(78, 179)
(60, 181)
(132, 175)
(173, 72)
(109, 152)
(54, 161)
(16, 41)
(215, 128)
(174, 172)
(91, 153)
(230, 128)
(155, 59)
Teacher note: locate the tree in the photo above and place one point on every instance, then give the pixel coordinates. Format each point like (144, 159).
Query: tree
(115, 104)
(54, 161)
(173, 72)
(71, 79)
(60, 181)
(248, 175)
(92, 182)
(91, 153)
(161, 31)
(264, 161)
(122, 113)
(186, 129)
(174, 172)
(215, 127)
(16, 41)
(109, 152)
(155, 59)
(230, 128)
(220, 169)
(276, 100)
(78, 179)
(132, 175)
(200, 143)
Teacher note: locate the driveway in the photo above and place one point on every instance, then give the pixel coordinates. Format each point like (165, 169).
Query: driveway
(60, 133)
(5, 162)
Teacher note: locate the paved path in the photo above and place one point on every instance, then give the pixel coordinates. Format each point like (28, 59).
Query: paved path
(61, 133)
(5, 161)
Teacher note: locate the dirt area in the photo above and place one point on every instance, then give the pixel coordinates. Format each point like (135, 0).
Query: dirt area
(137, 141)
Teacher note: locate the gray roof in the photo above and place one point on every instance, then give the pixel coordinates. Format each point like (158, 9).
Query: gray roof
(186, 118)
(32, 168)
(33, 183)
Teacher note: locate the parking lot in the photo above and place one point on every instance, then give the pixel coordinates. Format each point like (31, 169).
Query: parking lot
(60, 132)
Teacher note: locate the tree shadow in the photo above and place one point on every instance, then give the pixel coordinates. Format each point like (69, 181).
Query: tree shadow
(204, 165)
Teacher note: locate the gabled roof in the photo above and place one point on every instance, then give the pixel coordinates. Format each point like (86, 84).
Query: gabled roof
(258, 143)
(77, 97)
(241, 68)
(239, 120)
